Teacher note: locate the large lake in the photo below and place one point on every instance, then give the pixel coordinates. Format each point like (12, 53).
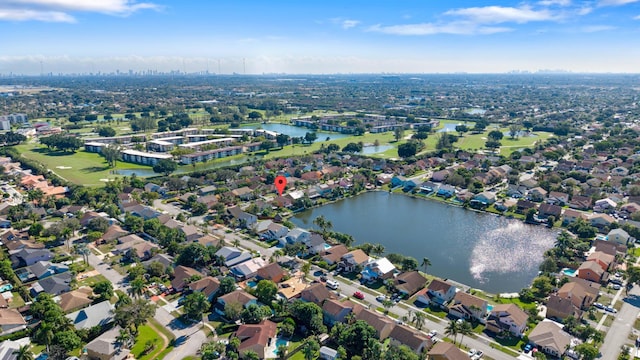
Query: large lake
(296, 131)
(483, 251)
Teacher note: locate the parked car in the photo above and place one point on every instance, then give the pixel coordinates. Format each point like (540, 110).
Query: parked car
(610, 309)
(332, 284)
(358, 295)
(528, 348)
(478, 355)
(472, 352)
(381, 298)
(598, 305)
(616, 287)
(432, 333)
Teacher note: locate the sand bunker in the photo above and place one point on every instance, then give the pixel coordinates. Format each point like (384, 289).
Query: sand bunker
(63, 167)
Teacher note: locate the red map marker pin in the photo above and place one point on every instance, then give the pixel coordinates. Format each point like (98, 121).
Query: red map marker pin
(280, 183)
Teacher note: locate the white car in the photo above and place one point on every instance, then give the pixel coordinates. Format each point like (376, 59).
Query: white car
(478, 355)
(381, 298)
(472, 352)
(332, 284)
(432, 333)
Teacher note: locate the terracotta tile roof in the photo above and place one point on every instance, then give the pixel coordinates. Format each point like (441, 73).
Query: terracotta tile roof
(446, 351)
(76, 299)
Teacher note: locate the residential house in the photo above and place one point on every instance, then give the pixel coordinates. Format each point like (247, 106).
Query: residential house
(297, 235)
(164, 259)
(609, 247)
(398, 181)
(244, 193)
(336, 311)
(353, 260)
(382, 324)
(560, 308)
(11, 321)
(592, 271)
(151, 187)
(99, 314)
(619, 236)
(378, 269)
(558, 198)
(545, 210)
(235, 297)
(601, 220)
(272, 271)
(507, 317)
(327, 353)
(105, 346)
(233, 256)
(582, 293)
(76, 299)
(316, 293)
(549, 337)
(485, 198)
(441, 175)
(257, 338)
(603, 259)
(27, 256)
(604, 205)
(244, 219)
(248, 269)
(523, 206)
(208, 286)
(334, 254)
(414, 339)
(191, 233)
(569, 216)
(408, 283)
(54, 285)
(516, 191)
(4, 223)
(291, 288)
(113, 232)
(537, 194)
(580, 202)
(428, 187)
(438, 292)
(469, 307)
(273, 231)
(629, 208)
(181, 275)
(43, 269)
(446, 191)
(446, 351)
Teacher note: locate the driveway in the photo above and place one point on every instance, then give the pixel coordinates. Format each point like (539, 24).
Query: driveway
(622, 325)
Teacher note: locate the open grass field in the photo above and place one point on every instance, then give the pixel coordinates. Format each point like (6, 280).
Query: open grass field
(149, 332)
(81, 167)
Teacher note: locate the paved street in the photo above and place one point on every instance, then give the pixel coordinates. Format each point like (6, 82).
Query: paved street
(622, 325)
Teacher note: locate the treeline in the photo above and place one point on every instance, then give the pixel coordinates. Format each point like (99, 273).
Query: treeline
(12, 138)
(62, 142)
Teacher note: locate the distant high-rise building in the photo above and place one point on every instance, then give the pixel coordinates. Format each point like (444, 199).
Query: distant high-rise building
(15, 118)
(5, 125)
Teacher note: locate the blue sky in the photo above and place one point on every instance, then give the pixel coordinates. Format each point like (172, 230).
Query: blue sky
(330, 36)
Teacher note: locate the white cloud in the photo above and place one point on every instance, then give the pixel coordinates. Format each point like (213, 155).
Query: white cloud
(597, 28)
(348, 24)
(26, 14)
(501, 14)
(60, 10)
(616, 2)
(554, 2)
(636, 17)
(585, 10)
(454, 28)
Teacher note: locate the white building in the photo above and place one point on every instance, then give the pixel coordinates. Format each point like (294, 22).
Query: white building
(145, 158)
(5, 125)
(15, 118)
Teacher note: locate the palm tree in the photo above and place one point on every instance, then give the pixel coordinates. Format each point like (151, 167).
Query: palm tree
(377, 249)
(276, 255)
(452, 329)
(306, 267)
(123, 338)
(23, 353)
(563, 242)
(425, 264)
(282, 351)
(323, 224)
(465, 329)
(137, 287)
(236, 242)
(45, 334)
(418, 319)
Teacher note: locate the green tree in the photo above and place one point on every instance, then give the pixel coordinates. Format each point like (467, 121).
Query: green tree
(355, 336)
(23, 353)
(111, 154)
(409, 263)
(232, 310)
(407, 149)
(587, 351)
(227, 285)
(266, 291)
(310, 348)
(465, 329)
(104, 289)
(310, 137)
(196, 304)
(137, 287)
(253, 314)
(68, 339)
(398, 133)
(324, 224)
(452, 329)
(165, 166)
(425, 264)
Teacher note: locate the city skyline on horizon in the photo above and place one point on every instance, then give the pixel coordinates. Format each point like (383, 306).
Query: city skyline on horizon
(288, 37)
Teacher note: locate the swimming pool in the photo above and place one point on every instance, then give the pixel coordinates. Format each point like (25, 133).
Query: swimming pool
(569, 272)
(327, 246)
(6, 287)
(279, 341)
(252, 283)
(489, 307)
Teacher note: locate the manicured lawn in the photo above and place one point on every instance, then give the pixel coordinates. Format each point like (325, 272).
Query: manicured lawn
(17, 300)
(92, 280)
(80, 167)
(146, 333)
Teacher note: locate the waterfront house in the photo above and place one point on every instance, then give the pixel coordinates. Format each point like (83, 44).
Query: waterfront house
(446, 191)
(603, 259)
(580, 202)
(408, 283)
(507, 317)
(560, 308)
(298, 235)
(592, 271)
(545, 210)
(537, 194)
(601, 220)
(378, 269)
(558, 198)
(549, 337)
(398, 181)
(352, 260)
(485, 198)
(468, 307)
(334, 253)
(257, 338)
(438, 293)
(522, 206)
(569, 216)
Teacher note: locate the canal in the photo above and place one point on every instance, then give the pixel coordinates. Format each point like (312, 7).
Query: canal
(481, 250)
